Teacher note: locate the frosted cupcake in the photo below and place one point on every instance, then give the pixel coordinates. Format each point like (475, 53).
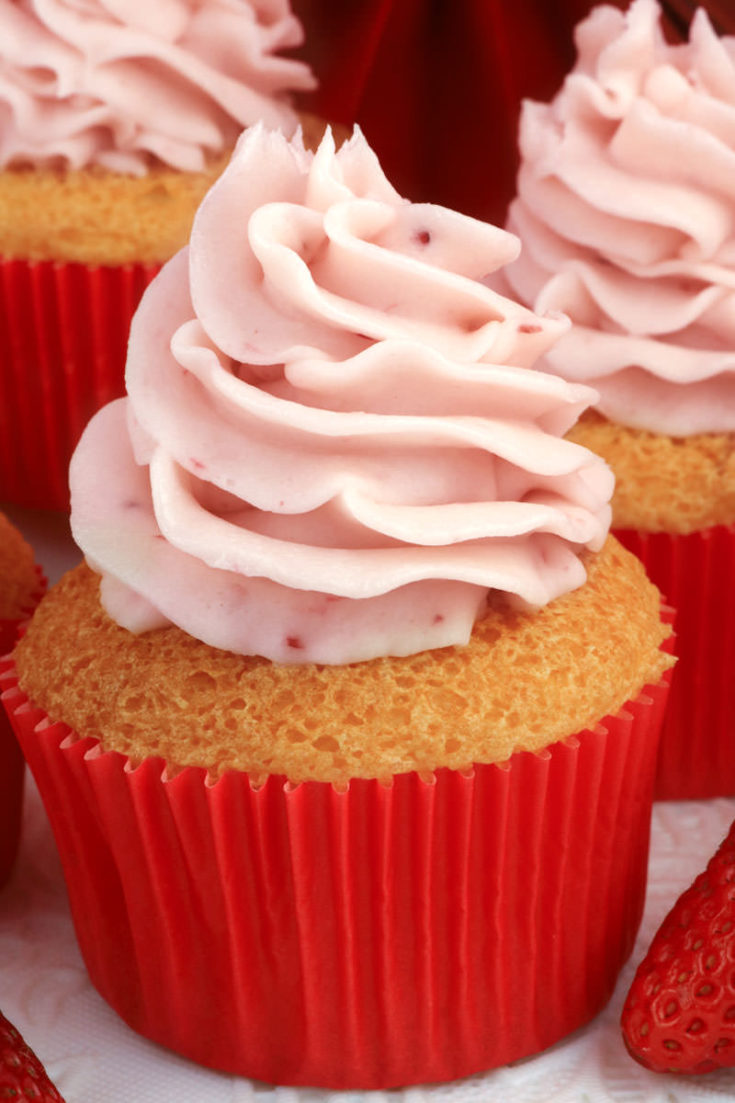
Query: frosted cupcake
(21, 586)
(626, 211)
(114, 120)
(353, 682)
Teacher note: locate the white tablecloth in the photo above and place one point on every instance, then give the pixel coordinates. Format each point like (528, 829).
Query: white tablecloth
(94, 1058)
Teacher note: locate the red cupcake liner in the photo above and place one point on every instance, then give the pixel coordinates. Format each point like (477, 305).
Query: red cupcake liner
(371, 938)
(694, 572)
(63, 341)
(12, 767)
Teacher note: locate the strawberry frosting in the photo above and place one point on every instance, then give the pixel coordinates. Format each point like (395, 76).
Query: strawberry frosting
(333, 446)
(626, 210)
(117, 83)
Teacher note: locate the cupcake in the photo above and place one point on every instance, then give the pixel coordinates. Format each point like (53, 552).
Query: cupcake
(351, 716)
(114, 121)
(625, 208)
(21, 585)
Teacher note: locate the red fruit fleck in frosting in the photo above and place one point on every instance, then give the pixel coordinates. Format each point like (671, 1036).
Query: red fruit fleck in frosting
(679, 1016)
(22, 1076)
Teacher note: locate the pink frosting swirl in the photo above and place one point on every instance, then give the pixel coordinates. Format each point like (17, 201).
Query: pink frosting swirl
(626, 210)
(332, 446)
(116, 83)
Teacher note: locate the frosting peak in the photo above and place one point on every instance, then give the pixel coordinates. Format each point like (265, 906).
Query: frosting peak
(626, 212)
(116, 82)
(333, 445)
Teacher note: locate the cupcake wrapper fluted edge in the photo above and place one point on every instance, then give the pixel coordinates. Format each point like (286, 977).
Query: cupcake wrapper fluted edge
(371, 938)
(694, 572)
(63, 341)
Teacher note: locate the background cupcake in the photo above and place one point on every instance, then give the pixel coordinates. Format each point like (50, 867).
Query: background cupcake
(21, 586)
(625, 207)
(357, 609)
(114, 120)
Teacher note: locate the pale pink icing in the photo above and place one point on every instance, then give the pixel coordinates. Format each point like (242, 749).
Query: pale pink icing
(626, 210)
(332, 446)
(116, 83)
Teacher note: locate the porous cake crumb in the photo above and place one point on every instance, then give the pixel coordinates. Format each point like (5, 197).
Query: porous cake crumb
(524, 681)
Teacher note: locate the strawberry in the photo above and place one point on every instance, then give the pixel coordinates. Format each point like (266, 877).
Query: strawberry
(679, 1015)
(22, 1076)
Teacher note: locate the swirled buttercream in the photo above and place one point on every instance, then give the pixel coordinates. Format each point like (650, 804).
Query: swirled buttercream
(626, 210)
(333, 446)
(117, 83)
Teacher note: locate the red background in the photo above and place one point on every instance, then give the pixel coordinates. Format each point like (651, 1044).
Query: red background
(436, 85)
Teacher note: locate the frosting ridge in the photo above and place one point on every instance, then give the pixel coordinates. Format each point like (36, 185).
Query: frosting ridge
(625, 209)
(114, 83)
(333, 445)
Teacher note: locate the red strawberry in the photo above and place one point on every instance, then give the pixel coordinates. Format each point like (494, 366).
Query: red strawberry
(680, 1012)
(22, 1076)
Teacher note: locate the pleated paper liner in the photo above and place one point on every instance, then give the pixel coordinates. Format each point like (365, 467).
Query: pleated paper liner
(12, 767)
(63, 341)
(695, 573)
(371, 938)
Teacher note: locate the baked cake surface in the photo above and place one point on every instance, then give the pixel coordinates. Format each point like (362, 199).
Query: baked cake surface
(664, 483)
(18, 577)
(91, 216)
(525, 680)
